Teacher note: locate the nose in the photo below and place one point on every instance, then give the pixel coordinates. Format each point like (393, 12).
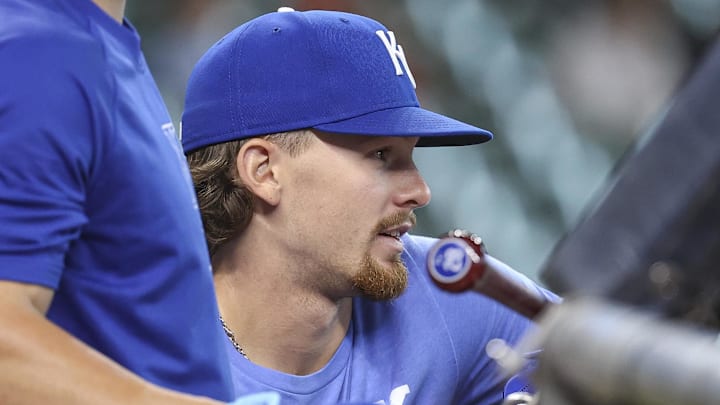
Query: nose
(413, 192)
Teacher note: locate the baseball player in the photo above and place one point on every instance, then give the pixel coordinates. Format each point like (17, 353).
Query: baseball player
(299, 129)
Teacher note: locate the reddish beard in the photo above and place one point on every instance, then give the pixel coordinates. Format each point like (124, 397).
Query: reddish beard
(377, 281)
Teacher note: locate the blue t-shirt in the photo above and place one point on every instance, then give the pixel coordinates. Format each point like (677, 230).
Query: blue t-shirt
(96, 200)
(425, 347)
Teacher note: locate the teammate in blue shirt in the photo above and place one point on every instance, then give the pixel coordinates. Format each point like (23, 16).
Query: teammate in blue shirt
(106, 292)
(299, 129)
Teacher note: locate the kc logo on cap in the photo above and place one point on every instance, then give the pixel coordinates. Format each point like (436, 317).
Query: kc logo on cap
(396, 52)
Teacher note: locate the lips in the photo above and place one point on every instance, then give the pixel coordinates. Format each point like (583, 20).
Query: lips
(394, 234)
(397, 231)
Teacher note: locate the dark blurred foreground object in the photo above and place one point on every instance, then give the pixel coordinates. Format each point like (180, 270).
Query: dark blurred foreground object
(653, 239)
(598, 353)
(646, 253)
(640, 273)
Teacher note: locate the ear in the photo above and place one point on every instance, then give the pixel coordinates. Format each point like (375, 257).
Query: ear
(255, 165)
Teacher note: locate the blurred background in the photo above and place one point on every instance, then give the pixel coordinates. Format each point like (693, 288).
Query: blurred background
(566, 86)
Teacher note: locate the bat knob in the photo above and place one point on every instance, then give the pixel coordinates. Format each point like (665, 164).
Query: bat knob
(457, 261)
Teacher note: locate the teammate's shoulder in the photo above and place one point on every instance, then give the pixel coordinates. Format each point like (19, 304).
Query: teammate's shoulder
(42, 31)
(50, 60)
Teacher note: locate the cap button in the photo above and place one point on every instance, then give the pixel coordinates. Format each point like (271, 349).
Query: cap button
(285, 9)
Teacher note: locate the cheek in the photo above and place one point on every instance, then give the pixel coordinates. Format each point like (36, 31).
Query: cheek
(343, 216)
(339, 200)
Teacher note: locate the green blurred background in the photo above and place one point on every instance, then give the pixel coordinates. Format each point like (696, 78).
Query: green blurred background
(566, 86)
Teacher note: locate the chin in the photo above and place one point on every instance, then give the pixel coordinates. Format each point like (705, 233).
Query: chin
(381, 281)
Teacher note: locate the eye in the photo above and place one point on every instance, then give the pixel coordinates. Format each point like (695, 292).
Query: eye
(381, 154)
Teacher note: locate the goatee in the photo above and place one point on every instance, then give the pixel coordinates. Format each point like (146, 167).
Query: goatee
(379, 282)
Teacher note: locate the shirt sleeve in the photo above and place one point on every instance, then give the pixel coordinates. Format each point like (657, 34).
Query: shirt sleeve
(47, 129)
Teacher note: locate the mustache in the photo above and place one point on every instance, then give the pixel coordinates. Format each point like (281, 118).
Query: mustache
(394, 220)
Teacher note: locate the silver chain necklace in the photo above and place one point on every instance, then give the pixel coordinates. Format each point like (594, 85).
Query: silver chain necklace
(231, 336)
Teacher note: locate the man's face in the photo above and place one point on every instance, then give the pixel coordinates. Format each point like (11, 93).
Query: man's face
(346, 201)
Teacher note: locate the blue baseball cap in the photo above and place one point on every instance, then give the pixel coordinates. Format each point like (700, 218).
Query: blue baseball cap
(325, 70)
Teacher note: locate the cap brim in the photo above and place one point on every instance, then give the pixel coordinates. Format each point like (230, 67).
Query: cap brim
(432, 128)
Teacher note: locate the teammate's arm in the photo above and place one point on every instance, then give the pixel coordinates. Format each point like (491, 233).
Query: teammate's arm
(42, 364)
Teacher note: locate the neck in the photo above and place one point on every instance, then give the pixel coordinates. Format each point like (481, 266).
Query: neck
(114, 8)
(261, 301)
